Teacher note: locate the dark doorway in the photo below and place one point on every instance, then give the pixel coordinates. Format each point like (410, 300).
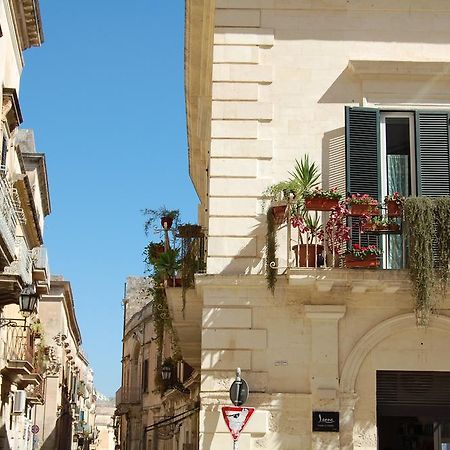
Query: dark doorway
(413, 410)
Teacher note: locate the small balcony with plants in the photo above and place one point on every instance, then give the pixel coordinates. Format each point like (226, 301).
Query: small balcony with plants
(330, 239)
(172, 262)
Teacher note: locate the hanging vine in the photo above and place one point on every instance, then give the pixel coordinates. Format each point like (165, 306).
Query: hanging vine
(271, 248)
(419, 222)
(442, 220)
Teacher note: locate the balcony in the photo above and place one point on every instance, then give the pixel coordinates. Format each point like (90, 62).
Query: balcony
(41, 270)
(18, 351)
(127, 396)
(9, 219)
(36, 393)
(187, 320)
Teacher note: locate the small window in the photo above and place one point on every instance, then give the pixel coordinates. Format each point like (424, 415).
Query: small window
(145, 371)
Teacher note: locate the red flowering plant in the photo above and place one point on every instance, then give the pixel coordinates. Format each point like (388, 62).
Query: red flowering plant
(306, 225)
(336, 233)
(318, 192)
(395, 197)
(359, 252)
(361, 199)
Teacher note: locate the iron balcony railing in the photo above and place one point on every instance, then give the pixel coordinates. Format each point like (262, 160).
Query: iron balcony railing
(9, 217)
(18, 344)
(127, 394)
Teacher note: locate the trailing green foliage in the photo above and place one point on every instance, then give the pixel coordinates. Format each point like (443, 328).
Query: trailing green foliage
(271, 248)
(419, 221)
(442, 221)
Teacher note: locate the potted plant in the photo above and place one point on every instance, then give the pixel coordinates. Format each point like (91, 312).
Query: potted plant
(364, 257)
(167, 265)
(308, 253)
(363, 204)
(37, 330)
(304, 178)
(322, 200)
(280, 194)
(189, 230)
(152, 251)
(161, 216)
(380, 224)
(336, 233)
(394, 204)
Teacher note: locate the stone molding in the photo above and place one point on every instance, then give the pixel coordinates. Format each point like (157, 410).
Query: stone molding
(377, 334)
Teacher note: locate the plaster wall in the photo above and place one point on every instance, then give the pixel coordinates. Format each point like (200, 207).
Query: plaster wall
(11, 62)
(280, 80)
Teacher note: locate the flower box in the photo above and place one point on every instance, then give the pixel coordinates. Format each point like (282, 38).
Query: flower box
(364, 209)
(279, 213)
(393, 208)
(367, 262)
(321, 203)
(371, 227)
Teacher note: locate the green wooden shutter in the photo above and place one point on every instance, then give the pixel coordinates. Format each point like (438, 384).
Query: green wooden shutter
(362, 139)
(433, 162)
(362, 148)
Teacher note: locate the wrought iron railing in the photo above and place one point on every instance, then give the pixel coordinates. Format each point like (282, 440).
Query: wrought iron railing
(40, 259)
(19, 343)
(128, 394)
(8, 216)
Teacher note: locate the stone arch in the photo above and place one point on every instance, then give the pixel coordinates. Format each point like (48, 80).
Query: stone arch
(377, 334)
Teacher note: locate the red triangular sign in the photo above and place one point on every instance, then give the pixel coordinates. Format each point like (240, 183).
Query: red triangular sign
(236, 417)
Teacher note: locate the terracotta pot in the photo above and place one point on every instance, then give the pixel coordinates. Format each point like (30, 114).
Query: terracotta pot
(370, 227)
(190, 231)
(279, 213)
(175, 282)
(362, 209)
(321, 204)
(393, 209)
(166, 222)
(368, 262)
(156, 250)
(313, 255)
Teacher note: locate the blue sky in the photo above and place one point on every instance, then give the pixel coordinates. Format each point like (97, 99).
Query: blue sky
(105, 97)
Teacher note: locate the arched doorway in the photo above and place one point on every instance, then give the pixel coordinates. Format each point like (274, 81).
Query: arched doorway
(396, 372)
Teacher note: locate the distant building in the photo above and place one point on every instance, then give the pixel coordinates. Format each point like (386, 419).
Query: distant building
(104, 423)
(66, 419)
(153, 413)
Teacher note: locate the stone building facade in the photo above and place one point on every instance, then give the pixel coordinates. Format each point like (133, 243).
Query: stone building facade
(268, 81)
(66, 417)
(153, 414)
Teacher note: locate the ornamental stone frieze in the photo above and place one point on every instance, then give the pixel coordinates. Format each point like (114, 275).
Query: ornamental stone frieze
(54, 364)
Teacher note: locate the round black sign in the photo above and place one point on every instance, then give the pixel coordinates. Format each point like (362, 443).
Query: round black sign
(239, 392)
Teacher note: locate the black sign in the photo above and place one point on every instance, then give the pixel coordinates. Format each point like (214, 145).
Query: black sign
(239, 392)
(325, 421)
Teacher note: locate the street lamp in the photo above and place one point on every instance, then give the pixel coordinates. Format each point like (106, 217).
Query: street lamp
(166, 372)
(28, 300)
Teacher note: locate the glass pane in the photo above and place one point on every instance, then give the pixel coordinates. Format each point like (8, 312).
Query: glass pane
(398, 181)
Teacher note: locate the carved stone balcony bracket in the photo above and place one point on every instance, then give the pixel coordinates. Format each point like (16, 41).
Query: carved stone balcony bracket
(356, 281)
(11, 113)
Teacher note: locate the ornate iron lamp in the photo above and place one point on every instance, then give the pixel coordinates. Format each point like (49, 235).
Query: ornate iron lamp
(28, 301)
(166, 372)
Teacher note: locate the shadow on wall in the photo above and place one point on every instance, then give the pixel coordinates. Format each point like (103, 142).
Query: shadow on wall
(257, 235)
(333, 160)
(4, 441)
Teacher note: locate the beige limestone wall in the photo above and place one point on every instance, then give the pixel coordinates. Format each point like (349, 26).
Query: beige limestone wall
(281, 78)
(310, 348)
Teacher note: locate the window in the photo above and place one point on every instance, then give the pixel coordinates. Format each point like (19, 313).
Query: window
(145, 372)
(404, 151)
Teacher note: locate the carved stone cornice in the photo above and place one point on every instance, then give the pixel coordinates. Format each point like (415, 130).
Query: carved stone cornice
(27, 18)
